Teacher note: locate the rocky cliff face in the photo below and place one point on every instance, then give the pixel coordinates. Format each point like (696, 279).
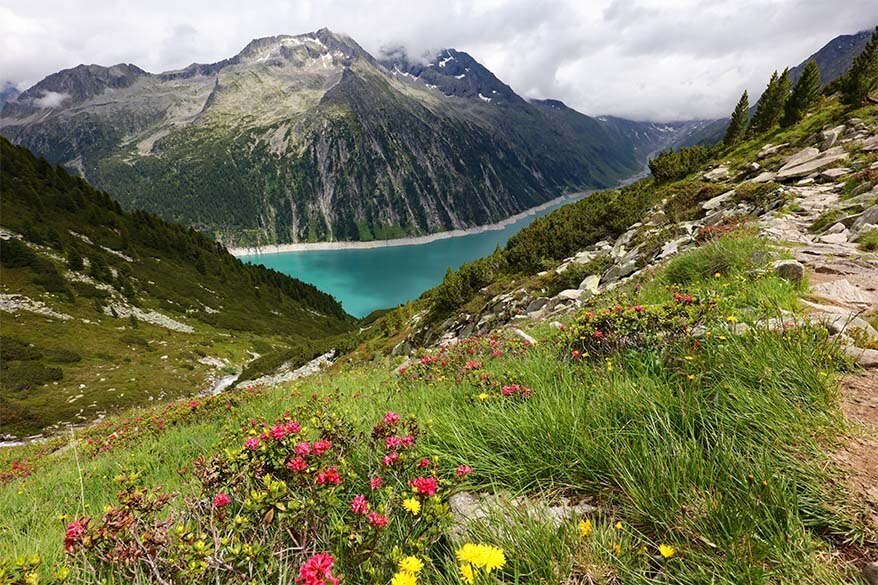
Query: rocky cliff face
(306, 138)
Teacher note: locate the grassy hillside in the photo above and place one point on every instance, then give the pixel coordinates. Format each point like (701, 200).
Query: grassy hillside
(104, 309)
(705, 458)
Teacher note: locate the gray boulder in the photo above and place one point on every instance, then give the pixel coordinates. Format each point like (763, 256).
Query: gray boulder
(790, 270)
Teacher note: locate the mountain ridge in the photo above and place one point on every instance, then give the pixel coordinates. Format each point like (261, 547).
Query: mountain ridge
(278, 144)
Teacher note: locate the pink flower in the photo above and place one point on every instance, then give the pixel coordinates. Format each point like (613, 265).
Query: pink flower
(317, 570)
(303, 449)
(407, 441)
(391, 443)
(576, 353)
(472, 365)
(298, 464)
(292, 428)
(463, 470)
(375, 483)
(73, 534)
(598, 335)
(328, 476)
(359, 505)
(322, 446)
(390, 459)
(391, 418)
(252, 443)
(426, 486)
(423, 463)
(221, 500)
(510, 389)
(377, 520)
(279, 432)
(638, 308)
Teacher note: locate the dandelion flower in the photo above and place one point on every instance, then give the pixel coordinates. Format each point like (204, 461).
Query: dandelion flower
(411, 565)
(483, 556)
(618, 526)
(412, 505)
(467, 574)
(403, 578)
(584, 528)
(667, 551)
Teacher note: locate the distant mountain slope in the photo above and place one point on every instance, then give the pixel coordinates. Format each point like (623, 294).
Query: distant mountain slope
(87, 288)
(833, 60)
(307, 138)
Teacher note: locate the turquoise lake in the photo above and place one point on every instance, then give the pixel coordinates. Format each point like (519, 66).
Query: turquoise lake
(367, 279)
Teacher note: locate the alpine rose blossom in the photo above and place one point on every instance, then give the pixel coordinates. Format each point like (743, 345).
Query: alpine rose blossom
(425, 486)
(317, 570)
(377, 520)
(391, 418)
(375, 483)
(252, 443)
(423, 463)
(463, 470)
(359, 505)
(73, 534)
(328, 476)
(390, 459)
(297, 464)
(221, 500)
(320, 447)
(302, 449)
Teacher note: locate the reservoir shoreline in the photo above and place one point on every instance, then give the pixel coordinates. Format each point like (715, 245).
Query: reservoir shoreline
(409, 241)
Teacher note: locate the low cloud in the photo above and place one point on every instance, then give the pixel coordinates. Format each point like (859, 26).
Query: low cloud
(50, 99)
(642, 59)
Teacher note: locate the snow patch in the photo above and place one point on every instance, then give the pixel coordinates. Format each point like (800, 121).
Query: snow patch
(484, 98)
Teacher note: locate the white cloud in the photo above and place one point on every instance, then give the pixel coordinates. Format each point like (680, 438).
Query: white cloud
(50, 99)
(646, 59)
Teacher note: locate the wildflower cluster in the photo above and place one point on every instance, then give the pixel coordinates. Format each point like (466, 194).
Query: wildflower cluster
(306, 482)
(608, 331)
(464, 361)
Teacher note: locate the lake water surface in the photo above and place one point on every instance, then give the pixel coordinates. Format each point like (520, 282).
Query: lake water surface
(376, 278)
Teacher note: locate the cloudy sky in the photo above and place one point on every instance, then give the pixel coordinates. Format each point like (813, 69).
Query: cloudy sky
(643, 59)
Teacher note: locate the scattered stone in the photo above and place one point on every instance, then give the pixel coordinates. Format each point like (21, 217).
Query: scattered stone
(770, 149)
(717, 201)
(467, 507)
(865, 358)
(590, 283)
(764, 177)
(801, 157)
(842, 292)
(835, 238)
(870, 144)
(833, 174)
(790, 270)
(556, 325)
(754, 167)
(811, 164)
(718, 174)
(870, 573)
(402, 348)
(830, 137)
(571, 294)
(869, 216)
(16, 303)
(620, 271)
(536, 304)
(836, 228)
(524, 336)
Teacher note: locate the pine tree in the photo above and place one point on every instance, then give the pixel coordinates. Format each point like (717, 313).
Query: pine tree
(862, 78)
(804, 95)
(738, 125)
(771, 105)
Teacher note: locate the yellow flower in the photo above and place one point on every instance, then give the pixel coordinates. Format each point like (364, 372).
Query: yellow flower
(411, 565)
(584, 528)
(688, 358)
(467, 574)
(618, 526)
(667, 550)
(403, 578)
(691, 376)
(412, 505)
(483, 396)
(483, 556)
(617, 549)
(732, 319)
(717, 275)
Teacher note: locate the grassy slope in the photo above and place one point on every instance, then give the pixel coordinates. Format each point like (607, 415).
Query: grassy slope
(718, 449)
(118, 362)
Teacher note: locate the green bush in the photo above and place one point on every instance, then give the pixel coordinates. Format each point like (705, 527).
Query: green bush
(671, 165)
(14, 349)
(24, 375)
